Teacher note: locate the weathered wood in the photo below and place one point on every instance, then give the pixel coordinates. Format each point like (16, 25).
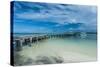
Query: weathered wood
(21, 41)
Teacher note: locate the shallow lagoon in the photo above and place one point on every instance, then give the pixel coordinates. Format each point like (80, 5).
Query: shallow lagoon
(59, 50)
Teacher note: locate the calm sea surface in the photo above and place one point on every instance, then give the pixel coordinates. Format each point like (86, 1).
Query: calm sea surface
(66, 50)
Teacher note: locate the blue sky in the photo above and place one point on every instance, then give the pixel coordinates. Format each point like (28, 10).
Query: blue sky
(34, 17)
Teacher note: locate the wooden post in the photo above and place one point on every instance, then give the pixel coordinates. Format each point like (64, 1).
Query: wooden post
(18, 45)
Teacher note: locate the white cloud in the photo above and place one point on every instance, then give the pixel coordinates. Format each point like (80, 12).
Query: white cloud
(64, 15)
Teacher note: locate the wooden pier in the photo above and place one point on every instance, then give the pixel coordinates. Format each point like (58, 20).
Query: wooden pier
(20, 41)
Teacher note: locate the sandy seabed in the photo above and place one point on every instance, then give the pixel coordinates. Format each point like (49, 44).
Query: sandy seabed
(53, 51)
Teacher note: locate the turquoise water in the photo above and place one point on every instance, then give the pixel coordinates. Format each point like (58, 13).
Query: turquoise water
(65, 50)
